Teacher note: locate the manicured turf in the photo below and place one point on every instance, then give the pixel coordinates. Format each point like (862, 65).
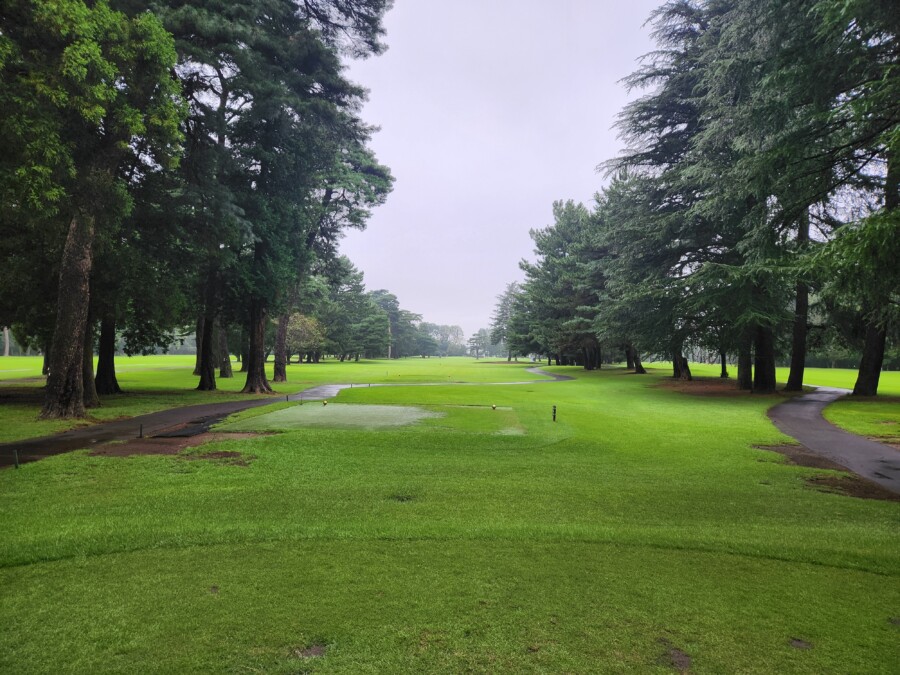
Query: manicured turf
(160, 382)
(638, 530)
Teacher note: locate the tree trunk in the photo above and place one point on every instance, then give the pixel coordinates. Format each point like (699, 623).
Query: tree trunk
(677, 362)
(106, 381)
(686, 370)
(636, 358)
(6, 341)
(198, 339)
(801, 319)
(764, 361)
(207, 356)
(280, 374)
(256, 358)
(65, 384)
(629, 359)
(245, 349)
(724, 358)
(91, 400)
(225, 370)
(45, 367)
(745, 366)
(872, 358)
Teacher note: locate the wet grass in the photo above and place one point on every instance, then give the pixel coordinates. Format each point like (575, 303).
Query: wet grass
(639, 529)
(153, 383)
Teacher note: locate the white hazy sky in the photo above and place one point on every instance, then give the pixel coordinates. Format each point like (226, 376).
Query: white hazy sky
(490, 110)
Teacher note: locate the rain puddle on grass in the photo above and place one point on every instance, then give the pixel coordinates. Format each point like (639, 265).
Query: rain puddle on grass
(333, 415)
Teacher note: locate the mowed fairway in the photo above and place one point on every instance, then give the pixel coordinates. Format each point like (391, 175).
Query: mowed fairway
(640, 532)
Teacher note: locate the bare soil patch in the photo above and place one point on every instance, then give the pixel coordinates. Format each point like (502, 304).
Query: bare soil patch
(801, 456)
(311, 652)
(852, 486)
(674, 657)
(173, 446)
(797, 643)
(704, 386)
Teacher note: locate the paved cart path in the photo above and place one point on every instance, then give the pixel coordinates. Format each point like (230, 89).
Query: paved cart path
(191, 420)
(802, 418)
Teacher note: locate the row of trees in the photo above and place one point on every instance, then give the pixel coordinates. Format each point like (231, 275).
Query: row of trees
(168, 162)
(338, 316)
(754, 211)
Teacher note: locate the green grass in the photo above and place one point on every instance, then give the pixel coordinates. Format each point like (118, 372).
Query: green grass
(866, 417)
(159, 382)
(483, 540)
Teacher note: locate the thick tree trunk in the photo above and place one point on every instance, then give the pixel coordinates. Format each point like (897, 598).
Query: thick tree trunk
(629, 359)
(198, 339)
(723, 357)
(636, 358)
(207, 356)
(256, 358)
(677, 362)
(225, 370)
(686, 370)
(764, 361)
(207, 346)
(65, 383)
(91, 399)
(872, 358)
(801, 319)
(280, 374)
(245, 348)
(745, 367)
(106, 381)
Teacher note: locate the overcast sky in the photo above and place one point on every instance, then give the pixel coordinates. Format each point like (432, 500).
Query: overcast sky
(490, 110)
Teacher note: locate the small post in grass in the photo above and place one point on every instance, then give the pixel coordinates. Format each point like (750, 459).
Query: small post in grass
(554, 413)
(16, 457)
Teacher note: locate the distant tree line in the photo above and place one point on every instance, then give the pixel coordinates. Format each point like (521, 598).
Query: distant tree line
(754, 211)
(171, 162)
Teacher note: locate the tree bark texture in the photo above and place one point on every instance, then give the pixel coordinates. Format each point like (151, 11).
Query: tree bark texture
(629, 359)
(872, 358)
(764, 361)
(745, 365)
(280, 374)
(636, 359)
(91, 399)
(106, 381)
(801, 317)
(723, 357)
(207, 357)
(245, 349)
(256, 357)
(65, 384)
(198, 340)
(225, 370)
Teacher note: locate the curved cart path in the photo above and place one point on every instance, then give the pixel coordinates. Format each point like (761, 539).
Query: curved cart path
(191, 420)
(802, 418)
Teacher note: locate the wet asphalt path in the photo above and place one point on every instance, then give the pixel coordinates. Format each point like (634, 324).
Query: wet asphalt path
(802, 419)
